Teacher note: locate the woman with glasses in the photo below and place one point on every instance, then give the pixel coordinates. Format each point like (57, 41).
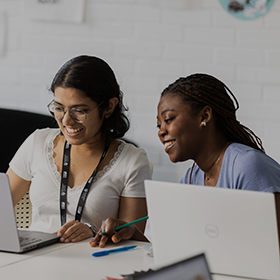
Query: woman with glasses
(80, 174)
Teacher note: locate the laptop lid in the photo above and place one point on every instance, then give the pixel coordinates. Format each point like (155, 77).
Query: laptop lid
(10, 235)
(194, 268)
(237, 230)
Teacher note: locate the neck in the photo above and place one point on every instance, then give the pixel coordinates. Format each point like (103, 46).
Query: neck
(215, 170)
(212, 155)
(93, 147)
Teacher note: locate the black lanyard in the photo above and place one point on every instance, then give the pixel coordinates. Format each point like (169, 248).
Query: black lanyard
(64, 184)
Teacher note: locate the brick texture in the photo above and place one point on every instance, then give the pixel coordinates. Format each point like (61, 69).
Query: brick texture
(149, 44)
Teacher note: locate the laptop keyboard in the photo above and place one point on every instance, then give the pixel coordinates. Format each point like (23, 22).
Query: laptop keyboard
(28, 240)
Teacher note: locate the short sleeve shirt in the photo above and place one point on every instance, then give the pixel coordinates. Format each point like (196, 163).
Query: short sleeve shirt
(243, 168)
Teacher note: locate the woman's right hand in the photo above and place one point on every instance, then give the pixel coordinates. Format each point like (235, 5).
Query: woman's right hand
(108, 226)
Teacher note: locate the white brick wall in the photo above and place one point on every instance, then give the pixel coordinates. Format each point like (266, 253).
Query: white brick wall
(150, 43)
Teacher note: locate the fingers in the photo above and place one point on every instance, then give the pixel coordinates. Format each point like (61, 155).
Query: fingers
(123, 234)
(73, 232)
(64, 228)
(100, 240)
(108, 226)
(95, 241)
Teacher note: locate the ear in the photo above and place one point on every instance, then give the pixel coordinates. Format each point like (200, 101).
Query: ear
(206, 115)
(113, 102)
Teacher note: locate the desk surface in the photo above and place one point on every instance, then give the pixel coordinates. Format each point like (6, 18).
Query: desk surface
(74, 261)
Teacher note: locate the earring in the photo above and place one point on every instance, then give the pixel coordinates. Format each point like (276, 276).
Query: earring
(108, 115)
(203, 123)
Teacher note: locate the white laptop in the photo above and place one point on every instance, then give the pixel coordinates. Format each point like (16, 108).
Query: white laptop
(236, 229)
(12, 239)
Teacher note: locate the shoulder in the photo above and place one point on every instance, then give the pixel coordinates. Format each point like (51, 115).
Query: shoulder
(42, 136)
(249, 168)
(46, 132)
(134, 158)
(247, 157)
(237, 148)
(131, 150)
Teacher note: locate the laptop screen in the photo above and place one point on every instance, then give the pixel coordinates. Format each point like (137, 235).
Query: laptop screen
(236, 229)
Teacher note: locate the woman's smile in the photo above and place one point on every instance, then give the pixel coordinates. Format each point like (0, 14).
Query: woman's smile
(73, 131)
(179, 129)
(168, 145)
(89, 131)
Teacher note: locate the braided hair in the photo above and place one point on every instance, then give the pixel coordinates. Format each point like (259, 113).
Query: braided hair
(199, 90)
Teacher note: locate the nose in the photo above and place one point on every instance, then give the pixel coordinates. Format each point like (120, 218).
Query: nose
(67, 119)
(162, 132)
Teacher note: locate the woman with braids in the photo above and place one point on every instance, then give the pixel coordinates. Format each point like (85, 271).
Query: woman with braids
(80, 173)
(196, 120)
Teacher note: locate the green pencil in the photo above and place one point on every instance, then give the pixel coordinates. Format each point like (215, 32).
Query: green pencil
(129, 224)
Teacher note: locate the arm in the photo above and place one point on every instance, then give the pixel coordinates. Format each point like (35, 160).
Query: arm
(19, 187)
(130, 210)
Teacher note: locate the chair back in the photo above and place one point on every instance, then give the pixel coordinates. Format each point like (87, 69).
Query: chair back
(17, 126)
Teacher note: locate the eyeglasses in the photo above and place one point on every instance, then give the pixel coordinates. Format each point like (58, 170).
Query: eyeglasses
(76, 114)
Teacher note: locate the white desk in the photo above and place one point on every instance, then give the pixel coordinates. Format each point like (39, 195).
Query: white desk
(74, 261)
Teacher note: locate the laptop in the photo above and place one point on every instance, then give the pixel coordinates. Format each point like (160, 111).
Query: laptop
(236, 229)
(12, 239)
(194, 268)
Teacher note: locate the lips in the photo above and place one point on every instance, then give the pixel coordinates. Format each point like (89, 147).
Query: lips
(169, 144)
(73, 130)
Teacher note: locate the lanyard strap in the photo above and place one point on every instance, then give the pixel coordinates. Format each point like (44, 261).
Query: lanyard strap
(64, 184)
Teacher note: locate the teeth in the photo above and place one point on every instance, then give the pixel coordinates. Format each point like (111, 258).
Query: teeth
(166, 144)
(73, 130)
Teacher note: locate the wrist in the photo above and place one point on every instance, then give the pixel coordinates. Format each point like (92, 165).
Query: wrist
(92, 228)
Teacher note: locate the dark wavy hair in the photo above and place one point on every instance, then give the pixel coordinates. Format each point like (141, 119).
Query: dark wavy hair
(199, 90)
(95, 78)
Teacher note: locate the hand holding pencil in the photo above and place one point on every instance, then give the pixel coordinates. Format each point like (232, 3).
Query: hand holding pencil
(118, 230)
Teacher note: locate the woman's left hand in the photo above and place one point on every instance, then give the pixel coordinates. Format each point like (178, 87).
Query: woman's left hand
(74, 231)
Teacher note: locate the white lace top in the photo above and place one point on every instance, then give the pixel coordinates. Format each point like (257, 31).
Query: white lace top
(124, 176)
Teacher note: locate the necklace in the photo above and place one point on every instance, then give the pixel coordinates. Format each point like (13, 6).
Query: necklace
(209, 173)
(208, 177)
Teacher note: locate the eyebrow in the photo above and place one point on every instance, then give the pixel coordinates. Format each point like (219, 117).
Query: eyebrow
(76, 105)
(163, 112)
(167, 110)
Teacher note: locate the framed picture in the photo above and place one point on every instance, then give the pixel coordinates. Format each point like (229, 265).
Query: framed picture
(247, 9)
(55, 10)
